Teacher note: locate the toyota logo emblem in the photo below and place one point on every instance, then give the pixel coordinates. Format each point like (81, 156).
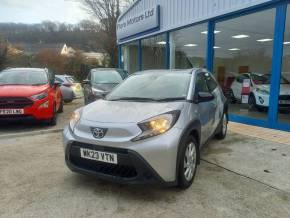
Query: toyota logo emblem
(98, 133)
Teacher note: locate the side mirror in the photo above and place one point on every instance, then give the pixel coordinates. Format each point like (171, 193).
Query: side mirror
(204, 97)
(86, 82)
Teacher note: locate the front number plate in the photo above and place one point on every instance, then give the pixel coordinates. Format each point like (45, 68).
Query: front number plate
(99, 156)
(11, 111)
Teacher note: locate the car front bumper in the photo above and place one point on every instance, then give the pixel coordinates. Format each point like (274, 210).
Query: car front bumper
(147, 161)
(33, 111)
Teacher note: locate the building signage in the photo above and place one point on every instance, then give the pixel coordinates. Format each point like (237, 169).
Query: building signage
(145, 21)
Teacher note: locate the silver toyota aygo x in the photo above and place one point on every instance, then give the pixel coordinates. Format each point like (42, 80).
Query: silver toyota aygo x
(148, 129)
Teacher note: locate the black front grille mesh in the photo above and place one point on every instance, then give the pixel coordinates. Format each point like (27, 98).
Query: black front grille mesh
(105, 168)
(15, 102)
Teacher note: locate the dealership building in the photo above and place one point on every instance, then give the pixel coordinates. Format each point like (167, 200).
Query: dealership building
(236, 40)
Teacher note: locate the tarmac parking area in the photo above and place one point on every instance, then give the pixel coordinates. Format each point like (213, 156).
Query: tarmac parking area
(16, 126)
(238, 177)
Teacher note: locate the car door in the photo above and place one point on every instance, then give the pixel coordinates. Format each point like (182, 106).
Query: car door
(217, 103)
(88, 88)
(206, 110)
(237, 87)
(56, 90)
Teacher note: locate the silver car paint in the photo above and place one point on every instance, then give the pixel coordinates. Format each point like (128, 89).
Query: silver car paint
(121, 118)
(127, 112)
(67, 93)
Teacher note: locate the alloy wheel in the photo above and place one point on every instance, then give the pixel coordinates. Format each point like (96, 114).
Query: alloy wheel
(189, 161)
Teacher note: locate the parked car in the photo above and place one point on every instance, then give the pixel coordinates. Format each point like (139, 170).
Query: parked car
(67, 94)
(29, 93)
(260, 90)
(70, 82)
(101, 81)
(148, 129)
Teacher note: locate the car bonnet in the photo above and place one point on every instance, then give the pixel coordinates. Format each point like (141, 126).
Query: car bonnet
(126, 111)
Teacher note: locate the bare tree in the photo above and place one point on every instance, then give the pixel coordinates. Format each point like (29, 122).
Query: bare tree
(107, 12)
(3, 53)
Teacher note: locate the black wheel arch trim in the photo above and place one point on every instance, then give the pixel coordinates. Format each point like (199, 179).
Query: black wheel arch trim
(193, 126)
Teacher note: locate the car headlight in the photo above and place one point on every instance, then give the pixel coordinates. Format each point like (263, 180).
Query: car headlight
(97, 91)
(157, 125)
(39, 96)
(263, 91)
(74, 119)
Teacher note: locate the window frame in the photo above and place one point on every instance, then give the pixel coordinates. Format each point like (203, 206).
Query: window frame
(201, 73)
(209, 75)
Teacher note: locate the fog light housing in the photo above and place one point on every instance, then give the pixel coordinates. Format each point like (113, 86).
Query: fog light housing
(44, 105)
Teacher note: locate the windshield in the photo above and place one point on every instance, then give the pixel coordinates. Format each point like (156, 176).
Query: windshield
(264, 79)
(71, 79)
(106, 77)
(167, 86)
(23, 77)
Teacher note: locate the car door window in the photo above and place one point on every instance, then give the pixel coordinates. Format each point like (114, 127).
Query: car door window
(200, 85)
(211, 83)
(241, 78)
(58, 79)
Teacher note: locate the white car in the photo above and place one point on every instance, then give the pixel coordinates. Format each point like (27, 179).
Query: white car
(260, 90)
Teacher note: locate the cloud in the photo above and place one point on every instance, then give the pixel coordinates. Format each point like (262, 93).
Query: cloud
(35, 11)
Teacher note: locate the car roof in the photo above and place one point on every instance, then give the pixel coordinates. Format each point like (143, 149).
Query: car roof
(63, 75)
(177, 71)
(104, 69)
(25, 68)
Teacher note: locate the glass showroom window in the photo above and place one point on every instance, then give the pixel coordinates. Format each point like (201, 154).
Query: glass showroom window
(243, 62)
(154, 52)
(284, 97)
(129, 57)
(188, 47)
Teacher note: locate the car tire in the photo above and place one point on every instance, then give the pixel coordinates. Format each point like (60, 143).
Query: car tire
(188, 163)
(68, 101)
(223, 127)
(53, 120)
(60, 110)
(252, 103)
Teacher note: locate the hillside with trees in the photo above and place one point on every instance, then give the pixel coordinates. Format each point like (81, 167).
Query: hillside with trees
(85, 35)
(37, 45)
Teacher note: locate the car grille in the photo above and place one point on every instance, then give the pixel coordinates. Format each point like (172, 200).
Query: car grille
(105, 168)
(124, 168)
(17, 102)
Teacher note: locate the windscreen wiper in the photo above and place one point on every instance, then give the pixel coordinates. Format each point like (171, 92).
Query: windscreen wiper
(171, 99)
(132, 99)
(38, 84)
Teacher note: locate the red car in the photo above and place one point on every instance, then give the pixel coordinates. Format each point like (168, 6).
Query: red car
(29, 93)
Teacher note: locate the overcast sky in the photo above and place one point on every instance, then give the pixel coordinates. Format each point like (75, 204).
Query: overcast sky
(36, 11)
